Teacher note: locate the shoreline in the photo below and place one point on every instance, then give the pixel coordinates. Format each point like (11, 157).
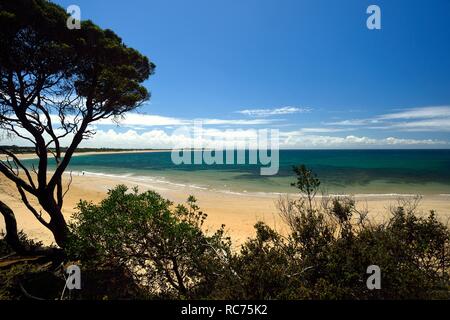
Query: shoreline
(375, 187)
(238, 211)
(163, 180)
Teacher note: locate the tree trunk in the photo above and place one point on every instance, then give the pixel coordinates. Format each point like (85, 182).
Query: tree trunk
(57, 225)
(12, 237)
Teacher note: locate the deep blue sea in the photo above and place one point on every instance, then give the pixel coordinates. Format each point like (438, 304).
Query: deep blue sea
(341, 171)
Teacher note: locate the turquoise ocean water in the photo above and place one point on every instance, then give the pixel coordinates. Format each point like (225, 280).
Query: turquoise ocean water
(341, 171)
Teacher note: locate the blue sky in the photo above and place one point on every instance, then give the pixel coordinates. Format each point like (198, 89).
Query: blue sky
(308, 68)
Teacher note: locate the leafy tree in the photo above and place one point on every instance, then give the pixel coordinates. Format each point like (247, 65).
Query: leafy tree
(307, 182)
(55, 83)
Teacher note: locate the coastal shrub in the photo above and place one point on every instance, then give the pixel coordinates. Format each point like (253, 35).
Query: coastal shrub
(264, 268)
(161, 246)
(331, 244)
(150, 248)
(16, 271)
(30, 244)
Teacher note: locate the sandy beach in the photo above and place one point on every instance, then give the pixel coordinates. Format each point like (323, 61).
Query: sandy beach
(239, 212)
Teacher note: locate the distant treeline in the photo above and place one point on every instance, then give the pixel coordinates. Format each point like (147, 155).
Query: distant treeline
(21, 150)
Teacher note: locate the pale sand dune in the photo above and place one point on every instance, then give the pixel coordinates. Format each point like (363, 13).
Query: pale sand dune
(238, 212)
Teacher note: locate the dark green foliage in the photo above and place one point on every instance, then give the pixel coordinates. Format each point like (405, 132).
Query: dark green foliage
(161, 246)
(139, 245)
(331, 244)
(20, 273)
(325, 255)
(30, 244)
(265, 268)
(36, 47)
(307, 182)
(55, 82)
(11, 279)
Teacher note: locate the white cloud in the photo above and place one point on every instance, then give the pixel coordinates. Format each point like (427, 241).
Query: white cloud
(213, 137)
(351, 141)
(435, 119)
(272, 112)
(441, 125)
(139, 121)
(147, 120)
(152, 131)
(418, 113)
(325, 130)
(354, 122)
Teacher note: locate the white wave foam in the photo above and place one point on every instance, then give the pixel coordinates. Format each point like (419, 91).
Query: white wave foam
(150, 181)
(138, 179)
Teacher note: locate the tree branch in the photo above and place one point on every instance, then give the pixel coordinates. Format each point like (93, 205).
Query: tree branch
(30, 207)
(19, 164)
(17, 180)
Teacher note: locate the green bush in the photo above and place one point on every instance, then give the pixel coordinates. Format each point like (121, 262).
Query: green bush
(141, 246)
(331, 244)
(30, 244)
(19, 272)
(162, 247)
